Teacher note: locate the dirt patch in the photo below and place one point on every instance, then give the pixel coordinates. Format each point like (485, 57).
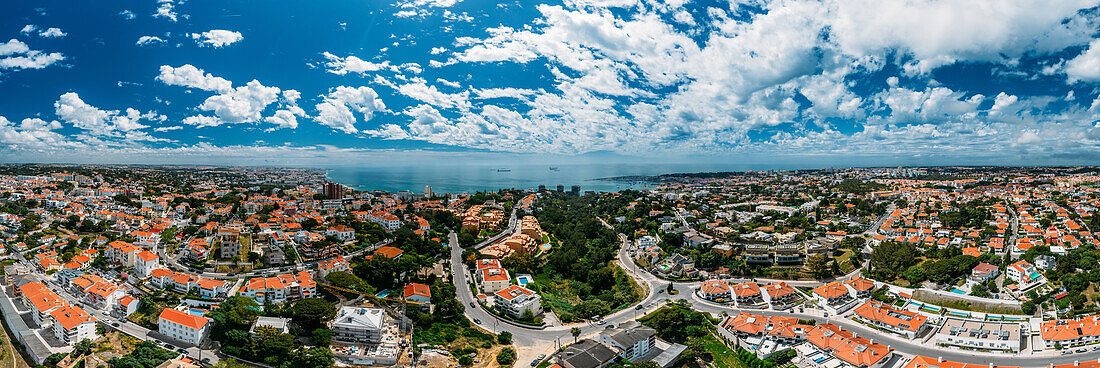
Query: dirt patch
(967, 304)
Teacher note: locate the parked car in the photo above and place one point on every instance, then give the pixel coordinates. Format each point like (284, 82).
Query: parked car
(1081, 350)
(477, 321)
(473, 305)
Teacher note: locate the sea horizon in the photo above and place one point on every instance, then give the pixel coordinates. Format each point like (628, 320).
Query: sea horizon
(490, 177)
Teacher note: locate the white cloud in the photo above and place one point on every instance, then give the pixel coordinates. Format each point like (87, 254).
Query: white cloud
(427, 3)
(167, 128)
(166, 9)
(352, 64)
(52, 32)
(16, 55)
(217, 38)
(13, 47)
(32, 133)
(149, 40)
(1085, 67)
(434, 96)
(127, 15)
(243, 104)
(190, 76)
(336, 109)
(72, 109)
(28, 29)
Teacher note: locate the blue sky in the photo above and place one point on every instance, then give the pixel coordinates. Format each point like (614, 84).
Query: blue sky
(832, 82)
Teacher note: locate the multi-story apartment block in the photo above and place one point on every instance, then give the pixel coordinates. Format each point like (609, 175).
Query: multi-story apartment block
(358, 325)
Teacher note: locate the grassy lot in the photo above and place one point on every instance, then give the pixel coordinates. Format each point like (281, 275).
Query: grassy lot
(724, 357)
(460, 339)
(563, 297)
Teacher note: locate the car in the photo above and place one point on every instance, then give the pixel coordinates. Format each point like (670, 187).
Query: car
(601, 322)
(477, 321)
(473, 305)
(608, 327)
(1081, 350)
(1066, 352)
(534, 362)
(542, 356)
(638, 307)
(115, 324)
(182, 350)
(1095, 348)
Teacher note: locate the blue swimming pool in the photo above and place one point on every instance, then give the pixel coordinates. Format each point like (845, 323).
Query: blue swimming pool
(957, 291)
(197, 312)
(523, 280)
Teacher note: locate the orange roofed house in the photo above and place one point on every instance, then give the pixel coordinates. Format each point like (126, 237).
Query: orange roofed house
(849, 348)
(927, 362)
(885, 316)
(780, 295)
(716, 290)
(1071, 332)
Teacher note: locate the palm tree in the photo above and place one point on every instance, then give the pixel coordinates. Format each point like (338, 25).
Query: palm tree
(576, 331)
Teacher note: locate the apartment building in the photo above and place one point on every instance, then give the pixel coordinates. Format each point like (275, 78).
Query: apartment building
(358, 325)
(516, 300)
(183, 326)
(631, 340)
(72, 324)
(980, 335)
(145, 263)
(493, 280)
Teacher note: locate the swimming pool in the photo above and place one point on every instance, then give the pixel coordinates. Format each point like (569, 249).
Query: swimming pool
(957, 291)
(523, 280)
(197, 312)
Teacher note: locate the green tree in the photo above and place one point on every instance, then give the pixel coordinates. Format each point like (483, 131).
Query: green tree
(505, 338)
(576, 332)
(312, 312)
(506, 357)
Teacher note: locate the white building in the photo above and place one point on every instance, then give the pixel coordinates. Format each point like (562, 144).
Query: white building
(358, 325)
(631, 341)
(72, 324)
(183, 326)
(516, 300)
(1025, 275)
(980, 335)
(493, 280)
(145, 263)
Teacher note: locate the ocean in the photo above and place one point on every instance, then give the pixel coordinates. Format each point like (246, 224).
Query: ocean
(472, 178)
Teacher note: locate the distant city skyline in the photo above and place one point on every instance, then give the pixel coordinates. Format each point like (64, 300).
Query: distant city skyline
(754, 83)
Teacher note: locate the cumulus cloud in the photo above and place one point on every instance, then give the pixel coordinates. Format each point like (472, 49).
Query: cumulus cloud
(337, 110)
(127, 15)
(1085, 67)
(52, 32)
(353, 64)
(192, 77)
(217, 38)
(16, 55)
(149, 40)
(70, 108)
(166, 9)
